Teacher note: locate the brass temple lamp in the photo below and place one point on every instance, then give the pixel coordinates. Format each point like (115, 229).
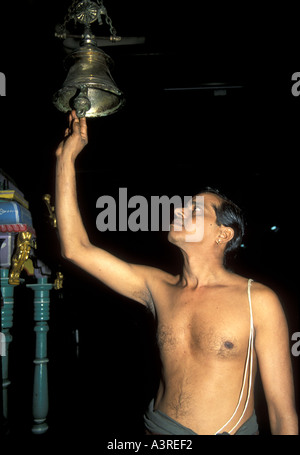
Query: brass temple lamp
(89, 87)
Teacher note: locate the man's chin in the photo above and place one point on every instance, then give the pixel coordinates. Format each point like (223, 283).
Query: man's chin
(177, 237)
(173, 236)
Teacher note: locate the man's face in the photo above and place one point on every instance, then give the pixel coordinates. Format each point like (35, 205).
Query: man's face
(196, 222)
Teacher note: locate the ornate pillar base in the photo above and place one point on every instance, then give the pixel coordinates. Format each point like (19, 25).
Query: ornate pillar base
(40, 382)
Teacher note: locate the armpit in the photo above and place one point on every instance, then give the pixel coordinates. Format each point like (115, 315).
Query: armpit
(145, 298)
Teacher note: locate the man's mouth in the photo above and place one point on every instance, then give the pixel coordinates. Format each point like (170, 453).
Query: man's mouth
(178, 223)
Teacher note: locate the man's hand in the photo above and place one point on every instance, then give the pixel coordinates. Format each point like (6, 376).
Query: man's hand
(76, 137)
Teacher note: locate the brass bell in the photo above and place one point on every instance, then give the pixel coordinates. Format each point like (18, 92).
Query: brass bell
(89, 87)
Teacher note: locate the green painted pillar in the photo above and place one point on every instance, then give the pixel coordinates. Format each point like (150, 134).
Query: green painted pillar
(7, 291)
(40, 382)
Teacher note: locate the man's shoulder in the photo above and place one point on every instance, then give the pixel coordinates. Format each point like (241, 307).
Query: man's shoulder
(263, 298)
(259, 291)
(266, 303)
(264, 294)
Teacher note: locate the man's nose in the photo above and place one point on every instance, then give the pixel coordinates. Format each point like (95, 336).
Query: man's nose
(179, 212)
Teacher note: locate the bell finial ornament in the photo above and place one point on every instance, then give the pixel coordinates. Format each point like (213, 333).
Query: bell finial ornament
(89, 87)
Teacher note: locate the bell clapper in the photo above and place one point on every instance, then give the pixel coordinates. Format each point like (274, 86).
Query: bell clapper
(82, 103)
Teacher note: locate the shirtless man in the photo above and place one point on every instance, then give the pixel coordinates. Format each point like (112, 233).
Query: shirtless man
(214, 326)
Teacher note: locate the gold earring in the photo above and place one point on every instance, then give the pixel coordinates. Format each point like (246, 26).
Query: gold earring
(218, 241)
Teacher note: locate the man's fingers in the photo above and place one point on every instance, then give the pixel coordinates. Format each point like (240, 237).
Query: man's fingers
(70, 119)
(83, 126)
(73, 114)
(80, 126)
(77, 125)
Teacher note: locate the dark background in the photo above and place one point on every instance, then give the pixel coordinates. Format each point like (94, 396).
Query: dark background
(164, 141)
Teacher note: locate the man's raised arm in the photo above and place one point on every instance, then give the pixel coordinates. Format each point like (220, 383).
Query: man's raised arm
(127, 279)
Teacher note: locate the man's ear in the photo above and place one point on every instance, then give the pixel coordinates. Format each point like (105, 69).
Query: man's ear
(226, 234)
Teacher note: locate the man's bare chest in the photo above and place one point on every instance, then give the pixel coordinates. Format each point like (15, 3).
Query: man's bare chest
(206, 324)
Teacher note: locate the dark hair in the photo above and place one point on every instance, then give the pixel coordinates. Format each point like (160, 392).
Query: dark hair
(230, 215)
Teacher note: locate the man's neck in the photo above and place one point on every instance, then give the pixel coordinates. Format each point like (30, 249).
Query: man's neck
(201, 270)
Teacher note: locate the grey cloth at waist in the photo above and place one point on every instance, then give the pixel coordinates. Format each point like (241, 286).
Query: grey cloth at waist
(158, 422)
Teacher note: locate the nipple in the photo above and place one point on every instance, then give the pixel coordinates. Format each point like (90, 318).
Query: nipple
(228, 344)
